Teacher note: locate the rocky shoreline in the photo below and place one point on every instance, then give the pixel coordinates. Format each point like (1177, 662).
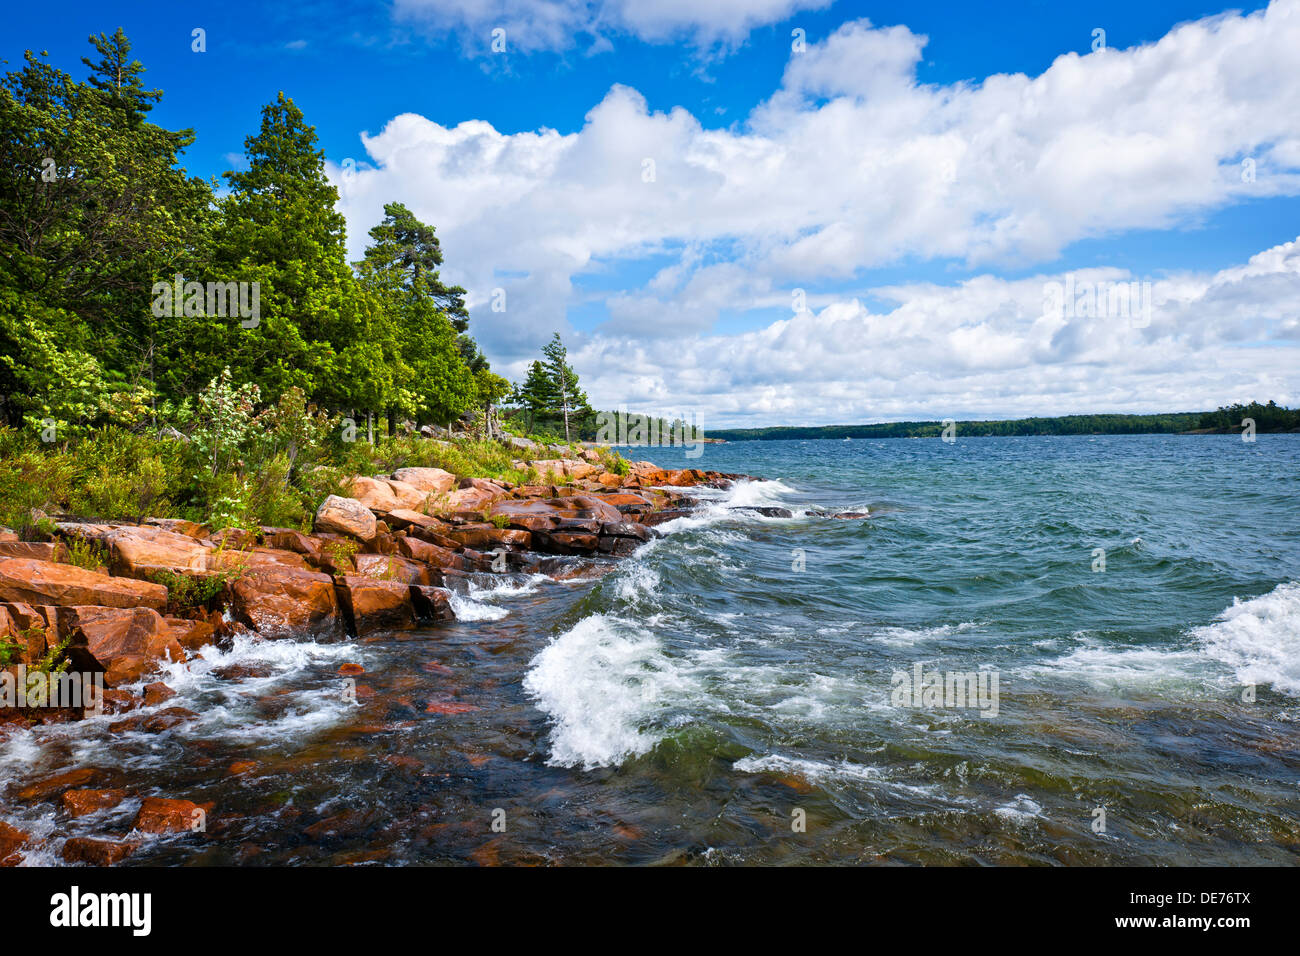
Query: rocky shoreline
(386, 559)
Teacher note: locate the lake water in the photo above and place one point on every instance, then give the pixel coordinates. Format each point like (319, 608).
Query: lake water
(1125, 611)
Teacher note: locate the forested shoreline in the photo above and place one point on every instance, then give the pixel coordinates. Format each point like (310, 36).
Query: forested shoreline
(1228, 419)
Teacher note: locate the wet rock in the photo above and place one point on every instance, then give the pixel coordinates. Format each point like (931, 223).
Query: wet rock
(281, 602)
(240, 767)
(78, 803)
(621, 547)
(12, 840)
(346, 516)
(156, 693)
(349, 669)
(432, 603)
(392, 567)
(418, 549)
(191, 635)
(124, 643)
(567, 542)
(490, 538)
(158, 723)
(448, 707)
(97, 852)
(656, 518)
(31, 581)
(162, 815)
(627, 529)
(372, 605)
(768, 512)
(54, 785)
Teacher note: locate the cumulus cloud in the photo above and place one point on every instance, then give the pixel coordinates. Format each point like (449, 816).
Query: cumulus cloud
(985, 347)
(853, 164)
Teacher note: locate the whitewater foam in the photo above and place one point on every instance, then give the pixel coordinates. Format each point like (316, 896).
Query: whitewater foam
(602, 683)
(1259, 639)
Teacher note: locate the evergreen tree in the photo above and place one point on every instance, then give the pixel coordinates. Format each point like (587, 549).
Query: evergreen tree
(564, 381)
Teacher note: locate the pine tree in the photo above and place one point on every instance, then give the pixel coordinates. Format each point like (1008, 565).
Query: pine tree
(564, 380)
(118, 76)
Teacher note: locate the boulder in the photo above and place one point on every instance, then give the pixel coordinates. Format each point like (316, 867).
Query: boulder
(124, 642)
(491, 538)
(419, 550)
(567, 542)
(12, 841)
(258, 558)
(39, 550)
(392, 567)
(179, 526)
(372, 605)
(468, 499)
(601, 506)
(375, 494)
(431, 481)
(628, 529)
(32, 581)
(97, 852)
(140, 552)
(346, 516)
(78, 803)
(57, 783)
(161, 815)
(288, 539)
(406, 518)
(191, 635)
(432, 603)
(280, 602)
(408, 496)
(627, 503)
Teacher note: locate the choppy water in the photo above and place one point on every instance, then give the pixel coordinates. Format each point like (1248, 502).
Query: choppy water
(734, 679)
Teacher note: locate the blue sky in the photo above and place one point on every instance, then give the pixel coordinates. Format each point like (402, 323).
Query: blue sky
(678, 296)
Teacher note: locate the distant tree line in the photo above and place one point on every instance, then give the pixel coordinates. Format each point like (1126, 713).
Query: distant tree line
(1270, 417)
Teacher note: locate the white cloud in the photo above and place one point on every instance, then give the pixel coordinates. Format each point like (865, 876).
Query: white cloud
(985, 347)
(852, 164)
(533, 25)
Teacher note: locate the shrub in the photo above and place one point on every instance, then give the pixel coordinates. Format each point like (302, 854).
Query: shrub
(81, 553)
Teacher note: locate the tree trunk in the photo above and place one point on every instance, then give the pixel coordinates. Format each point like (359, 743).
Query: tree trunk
(564, 404)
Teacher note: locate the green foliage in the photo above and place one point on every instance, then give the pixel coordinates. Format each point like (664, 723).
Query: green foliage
(188, 591)
(1067, 425)
(54, 660)
(343, 553)
(83, 553)
(1268, 418)
(100, 213)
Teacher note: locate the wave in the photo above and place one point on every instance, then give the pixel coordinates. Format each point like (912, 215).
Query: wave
(601, 682)
(1259, 639)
